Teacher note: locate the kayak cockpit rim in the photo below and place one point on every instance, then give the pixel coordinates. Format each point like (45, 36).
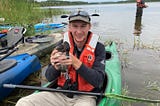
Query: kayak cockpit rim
(109, 55)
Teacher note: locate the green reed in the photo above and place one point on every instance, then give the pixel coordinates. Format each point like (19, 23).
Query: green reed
(24, 12)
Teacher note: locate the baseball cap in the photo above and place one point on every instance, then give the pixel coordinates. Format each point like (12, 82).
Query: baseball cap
(79, 15)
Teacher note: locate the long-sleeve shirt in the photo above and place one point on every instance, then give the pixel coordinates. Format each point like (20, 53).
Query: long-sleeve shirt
(95, 75)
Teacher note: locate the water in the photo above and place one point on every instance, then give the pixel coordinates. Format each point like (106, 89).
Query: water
(138, 48)
(117, 20)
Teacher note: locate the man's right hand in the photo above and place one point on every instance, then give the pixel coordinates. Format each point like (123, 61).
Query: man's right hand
(54, 58)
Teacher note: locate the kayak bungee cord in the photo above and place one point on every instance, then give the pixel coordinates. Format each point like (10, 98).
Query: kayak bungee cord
(107, 95)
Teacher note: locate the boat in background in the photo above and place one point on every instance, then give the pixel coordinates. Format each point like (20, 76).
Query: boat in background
(14, 69)
(4, 29)
(39, 45)
(5, 26)
(42, 27)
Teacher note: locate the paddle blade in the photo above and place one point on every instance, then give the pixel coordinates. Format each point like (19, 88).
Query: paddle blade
(95, 14)
(64, 16)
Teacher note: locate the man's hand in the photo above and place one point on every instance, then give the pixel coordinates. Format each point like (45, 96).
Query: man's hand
(55, 58)
(58, 58)
(76, 63)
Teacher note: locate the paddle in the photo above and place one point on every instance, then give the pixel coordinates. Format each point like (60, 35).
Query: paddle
(65, 16)
(8, 53)
(108, 95)
(95, 14)
(50, 89)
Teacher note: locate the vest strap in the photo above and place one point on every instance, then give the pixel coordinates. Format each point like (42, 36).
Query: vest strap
(94, 40)
(66, 38)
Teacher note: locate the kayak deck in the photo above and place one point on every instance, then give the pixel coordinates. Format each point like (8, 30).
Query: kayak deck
(25, 65)
(113, 71)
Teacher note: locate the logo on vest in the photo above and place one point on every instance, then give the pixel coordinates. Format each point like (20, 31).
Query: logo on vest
(89, 58)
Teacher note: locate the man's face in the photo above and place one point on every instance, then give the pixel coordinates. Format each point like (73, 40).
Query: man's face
(79, 30)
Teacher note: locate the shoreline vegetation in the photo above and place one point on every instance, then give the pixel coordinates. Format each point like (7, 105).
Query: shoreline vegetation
(24, 13)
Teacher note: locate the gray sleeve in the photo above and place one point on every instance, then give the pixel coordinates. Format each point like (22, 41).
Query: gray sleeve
(51, 73)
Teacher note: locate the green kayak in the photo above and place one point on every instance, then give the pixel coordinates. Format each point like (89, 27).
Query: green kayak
(113, 71)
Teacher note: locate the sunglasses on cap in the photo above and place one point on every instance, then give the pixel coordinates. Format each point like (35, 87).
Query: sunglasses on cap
(79, 13)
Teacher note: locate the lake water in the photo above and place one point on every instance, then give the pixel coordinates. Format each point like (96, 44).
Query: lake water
(139, 52)
(118, 20)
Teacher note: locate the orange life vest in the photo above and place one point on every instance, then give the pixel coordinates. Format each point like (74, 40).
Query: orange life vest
(87, 57)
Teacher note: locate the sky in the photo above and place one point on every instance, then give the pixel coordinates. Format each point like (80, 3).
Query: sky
(86, 0)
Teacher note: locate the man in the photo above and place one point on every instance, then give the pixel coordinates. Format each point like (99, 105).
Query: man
(82, 70)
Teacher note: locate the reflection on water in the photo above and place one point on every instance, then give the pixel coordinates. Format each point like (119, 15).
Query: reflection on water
(137, 32)
(138, 26)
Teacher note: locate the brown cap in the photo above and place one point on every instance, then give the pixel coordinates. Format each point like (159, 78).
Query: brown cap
(79, 15)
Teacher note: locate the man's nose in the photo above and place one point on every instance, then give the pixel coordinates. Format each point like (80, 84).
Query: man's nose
(79, 30)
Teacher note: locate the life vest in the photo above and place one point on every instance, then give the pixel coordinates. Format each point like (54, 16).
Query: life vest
(87, 57)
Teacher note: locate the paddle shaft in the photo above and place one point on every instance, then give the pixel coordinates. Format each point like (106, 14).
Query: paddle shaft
(51, 89)
(9, 53)
(115, 96)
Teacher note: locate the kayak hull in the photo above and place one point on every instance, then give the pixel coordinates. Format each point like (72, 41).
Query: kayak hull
(26, 64)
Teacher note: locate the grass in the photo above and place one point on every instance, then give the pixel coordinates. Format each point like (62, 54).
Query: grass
(24, 13)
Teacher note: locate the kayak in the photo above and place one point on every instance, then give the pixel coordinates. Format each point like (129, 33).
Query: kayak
(113, 72)
(5, 26)
(14, 69)
(42, 27)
